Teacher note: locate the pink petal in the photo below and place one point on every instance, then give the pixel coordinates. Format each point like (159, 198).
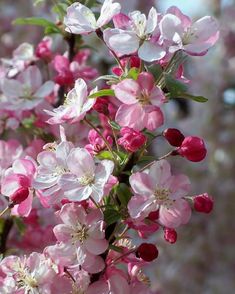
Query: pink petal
(127, 91)
(96, 246)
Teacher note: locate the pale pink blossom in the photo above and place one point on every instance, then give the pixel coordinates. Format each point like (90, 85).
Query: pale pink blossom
(33, 274)
(194, 38)
(81, 237)
(75, 105)
(141, 100)
(133, 34)
(155, 188)
(85, 178)
(19, 177)
(26, 91)
(81, 20)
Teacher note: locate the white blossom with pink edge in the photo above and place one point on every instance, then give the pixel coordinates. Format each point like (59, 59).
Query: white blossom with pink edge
(85, 178)
(194, 38)
(155, 188)
(26, 91)
(75, 105)
(33, 274)
(133, 34)
(81, 237)
(141, 100)
(81, 20)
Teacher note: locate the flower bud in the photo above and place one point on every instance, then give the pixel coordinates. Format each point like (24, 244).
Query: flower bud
(147, 252)
(154, 215)
(170, 235)
(131, 140)
(101, 106)
(43, 49)
(174, 137)
(203, 203)
(19, 195)
(193, 148)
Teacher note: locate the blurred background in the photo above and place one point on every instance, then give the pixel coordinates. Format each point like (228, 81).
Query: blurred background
(203, 259)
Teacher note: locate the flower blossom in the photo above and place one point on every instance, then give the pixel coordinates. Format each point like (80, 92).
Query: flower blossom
(75, 105)
(81, 20)
(194, 38)
(134, 33)
(83, 235)
(156, 188)
(141, 100)
(17, 185)
(26, 92)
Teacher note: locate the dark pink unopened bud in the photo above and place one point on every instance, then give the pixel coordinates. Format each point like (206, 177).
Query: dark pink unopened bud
(43, 49)
(203, 203)
(193, 148)
(147, 252)
(131, 140)
(102, 106)
(170, 235)
(19, 195)
(174, 137)
(154, 215)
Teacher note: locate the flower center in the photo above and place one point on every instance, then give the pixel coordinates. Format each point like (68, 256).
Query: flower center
(80, 234)
(25, 280)
(86, 180)
(162, 196)
(143, 99)
(27, 93)
(190, 36)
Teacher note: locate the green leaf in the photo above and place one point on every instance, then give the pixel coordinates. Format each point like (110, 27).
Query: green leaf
(107, 78)
(20, 225)
(124, 194)
(101, 93)
(133, 73)
(38, 21)
(111, 216)
(200, 99)
(115, 248)
(114, 125)
(60, 10)
(174, 87)
(38, 2)
(105, 155)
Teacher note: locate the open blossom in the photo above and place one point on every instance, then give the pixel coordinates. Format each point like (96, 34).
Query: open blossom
(156, 188)
(133, 34)
(194, 38)
(17, 185)
(85, 178)
(52, 165)
(141, 100)
(75, 105)
(27, 91)
(33, 274)
(81, 20)
(84, 236)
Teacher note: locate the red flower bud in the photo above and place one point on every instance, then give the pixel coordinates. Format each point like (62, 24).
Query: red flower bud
(174, 137)
(147, 251)
(203, 203)
(193, 148)
(131, 140)
(154, 215)
(101, 105)
(20, 195)
(170, 235)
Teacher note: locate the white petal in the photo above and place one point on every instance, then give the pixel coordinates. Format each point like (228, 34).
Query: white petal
(151, 21)
(108, 10)
(45, 90)
(150, 52)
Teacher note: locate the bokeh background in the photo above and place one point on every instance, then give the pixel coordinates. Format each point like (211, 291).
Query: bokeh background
(203, 259)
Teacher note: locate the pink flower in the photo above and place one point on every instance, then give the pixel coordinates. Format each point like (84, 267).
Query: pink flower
(141, 101)
(156, 189)
(81, 20)
(28, 275)
(43, 49)
(75, 106)
(131, 140)
(84, 236)
(27, 91)
(97, 144)
(133, 34)
(17, 185)
(85, 180)
(194, 38)
(193, 148)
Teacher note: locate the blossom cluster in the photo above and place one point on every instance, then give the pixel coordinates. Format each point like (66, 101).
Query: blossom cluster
(81, 198)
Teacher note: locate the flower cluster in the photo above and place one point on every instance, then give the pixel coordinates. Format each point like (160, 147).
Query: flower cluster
(79, 171)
